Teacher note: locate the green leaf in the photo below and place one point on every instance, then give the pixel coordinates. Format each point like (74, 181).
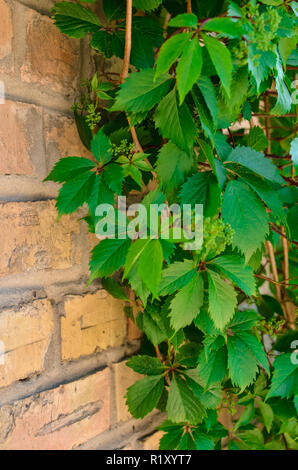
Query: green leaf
(114, 9)
(141, 92)
(170, 440)
(204, 114)
(149, 271)
(212, 369)
(182, 404)
(237, 271)
(203, 442)
(243, 321)
(188, 20)
(101, 147)
(109, 44)
(187, 303)
(222, 300)
(75, 20)
(171, 49)
(202, 188)
(226, 26)
(187, 442)
(256, 139)
(208, 91)
(256, 162)
(294, 151)
(172, 166)
(69, 168)
(175, 122)
(147, 35)
(107, 257)
(286, 46)
(285, 377)
(146, 5)
(267, 414)
(75, 193)
(189, 67)
(113, 288)
(146, 365)
(143, 396)
(113, 176)
(176, 276)
(153, 331)
(221, 59)
(134, 254)
(245, 352)
(247, 216)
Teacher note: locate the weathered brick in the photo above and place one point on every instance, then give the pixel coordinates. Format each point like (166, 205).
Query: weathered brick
(60, 418)
(26, 334)
(152, 442)
(6, 31)
(52, 59)
(33, 240)
(124, 377)
(92, 323)
(21, 146)
(61, 139)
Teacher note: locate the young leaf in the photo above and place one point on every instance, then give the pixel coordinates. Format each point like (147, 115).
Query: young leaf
(146, 365)
(175, 122)
(222, 300)
(170, 51)
(189, 67)
(108, 256)
(237, 271)
(187, 303)
(247, 216)
(143, 396)
(267, 414)
(101, 147)
(172, 166)
(182, 404)
(221, 59)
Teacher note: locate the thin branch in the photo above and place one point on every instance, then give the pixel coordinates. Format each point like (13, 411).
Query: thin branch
(281, 233)
(274, 269)
(189, 8)
(127, 49)
(279, 283)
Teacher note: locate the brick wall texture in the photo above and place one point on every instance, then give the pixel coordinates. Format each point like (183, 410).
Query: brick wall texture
(63, 344)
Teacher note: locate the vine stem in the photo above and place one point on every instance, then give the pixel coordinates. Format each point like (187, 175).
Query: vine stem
(189, 8)
(274, 269)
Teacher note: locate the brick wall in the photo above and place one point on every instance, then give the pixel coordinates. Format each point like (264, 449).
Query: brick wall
(63, 372)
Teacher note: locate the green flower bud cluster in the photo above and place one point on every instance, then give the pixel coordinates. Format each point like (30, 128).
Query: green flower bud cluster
(123, 149)
(264, 30)
(217, 236)
(92, 117)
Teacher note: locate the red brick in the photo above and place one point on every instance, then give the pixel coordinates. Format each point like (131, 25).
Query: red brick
(58, 419)
(52, 59)
(21, 151)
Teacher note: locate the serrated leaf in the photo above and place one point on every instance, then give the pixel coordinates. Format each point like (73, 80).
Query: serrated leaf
(189, 67)
(208, 91)
(176, 276)
(226, 26)
(182, 404)
(222, 300)
(175, 122)
(113, 288)
(184, 20)
(256, 162)
(114, 9)
(213, 369)
(149, 271)
(146, 365)
(75, 193)
(245, 352)
(171, 49)
(247, 216)
(101, 147)
(243, 320)
(170, 440)
(187, 303)
(237, 271)
(146, 5)
(172, 166)
(75, 20)
(69, 168)
(141, 92)
(285, 377)
(113, 176)
(202, 188)
(267, 414)
(134, 254)
(221, 59)
(256, 139)
(203, 441)
(107, 257)
(143, 396)
(147, 35)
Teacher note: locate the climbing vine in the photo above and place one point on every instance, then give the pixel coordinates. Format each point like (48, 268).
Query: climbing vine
(203, 112)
